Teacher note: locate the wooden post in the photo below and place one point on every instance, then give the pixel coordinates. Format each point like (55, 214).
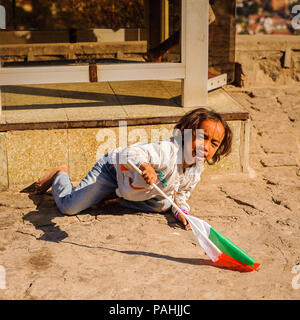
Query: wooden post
(165, 19)
(194, 52)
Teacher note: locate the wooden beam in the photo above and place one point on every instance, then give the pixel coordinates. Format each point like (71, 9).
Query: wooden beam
(73, 74)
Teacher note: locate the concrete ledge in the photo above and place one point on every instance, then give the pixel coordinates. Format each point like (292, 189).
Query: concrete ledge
(106, 123)
(101, 105)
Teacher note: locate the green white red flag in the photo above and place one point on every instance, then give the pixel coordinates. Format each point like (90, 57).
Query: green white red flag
(220, 250)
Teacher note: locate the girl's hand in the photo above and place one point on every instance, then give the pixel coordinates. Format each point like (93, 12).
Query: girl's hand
(183, 220)
(148, 173)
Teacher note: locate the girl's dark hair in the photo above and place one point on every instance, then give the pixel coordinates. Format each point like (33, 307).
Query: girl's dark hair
(193, 119)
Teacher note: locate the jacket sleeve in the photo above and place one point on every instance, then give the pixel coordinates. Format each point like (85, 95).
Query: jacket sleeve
(182, 195)
(181, 199)
(131, 184)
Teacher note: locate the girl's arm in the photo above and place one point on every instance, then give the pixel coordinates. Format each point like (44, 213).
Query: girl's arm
(148, 157)
(181, 198)
(187, 184)
(181, 201)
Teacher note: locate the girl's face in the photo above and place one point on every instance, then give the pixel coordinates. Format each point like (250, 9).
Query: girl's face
(214, 133)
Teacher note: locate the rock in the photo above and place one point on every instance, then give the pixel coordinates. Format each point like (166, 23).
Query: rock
(289, 101)
(279, 143)
(279, 160)
(269, 127)
(263, 92)
(257, 115)
(271, 67)
(292, 91)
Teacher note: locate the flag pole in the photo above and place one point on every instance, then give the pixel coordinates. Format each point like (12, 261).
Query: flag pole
(158, 189)
(204, 238)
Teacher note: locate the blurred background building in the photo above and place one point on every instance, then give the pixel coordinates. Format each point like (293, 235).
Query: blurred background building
(253, 16)
(265, 17)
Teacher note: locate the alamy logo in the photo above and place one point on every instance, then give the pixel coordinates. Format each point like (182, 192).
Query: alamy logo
(2, 278)
(296, 278)
(296, 20)
(2, 17)
(191, 153)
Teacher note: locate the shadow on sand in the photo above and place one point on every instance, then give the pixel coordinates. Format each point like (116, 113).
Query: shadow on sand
(46, 211)
(42, 217)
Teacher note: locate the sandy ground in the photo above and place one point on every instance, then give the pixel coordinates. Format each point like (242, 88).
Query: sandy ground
(114, 253)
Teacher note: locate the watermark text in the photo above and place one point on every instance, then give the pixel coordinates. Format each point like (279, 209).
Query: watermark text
(189, 142)
(296, 19)
(296, 278)
(2, 278)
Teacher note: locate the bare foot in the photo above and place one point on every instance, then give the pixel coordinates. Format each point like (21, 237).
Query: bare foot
(183, 220)
(45, 182)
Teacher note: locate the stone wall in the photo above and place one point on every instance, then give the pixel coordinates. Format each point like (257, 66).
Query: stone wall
(267, 60)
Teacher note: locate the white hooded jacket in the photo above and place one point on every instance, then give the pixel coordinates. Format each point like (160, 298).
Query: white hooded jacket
(166, 159)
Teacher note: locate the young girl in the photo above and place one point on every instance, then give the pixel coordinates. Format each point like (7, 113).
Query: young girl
(174, 164)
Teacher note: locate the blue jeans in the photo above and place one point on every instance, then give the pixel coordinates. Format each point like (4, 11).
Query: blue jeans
(98, 184)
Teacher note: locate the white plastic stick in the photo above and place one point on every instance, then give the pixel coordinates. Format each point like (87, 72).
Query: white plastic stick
(204, 241)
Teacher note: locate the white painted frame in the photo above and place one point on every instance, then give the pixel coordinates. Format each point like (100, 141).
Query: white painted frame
(192, 70)
(194, 52)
